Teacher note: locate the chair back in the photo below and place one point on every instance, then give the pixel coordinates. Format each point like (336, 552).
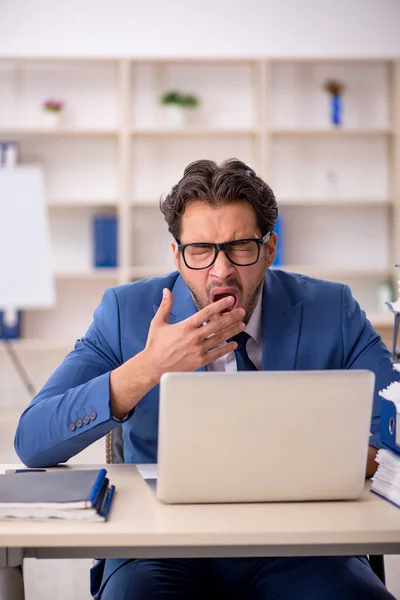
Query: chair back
(115, 446)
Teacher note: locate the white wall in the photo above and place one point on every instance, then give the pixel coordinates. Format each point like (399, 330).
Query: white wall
(292, 28)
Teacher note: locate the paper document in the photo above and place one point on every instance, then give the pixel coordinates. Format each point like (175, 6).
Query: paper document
(386, 481)
(392, 393)
(148, 471)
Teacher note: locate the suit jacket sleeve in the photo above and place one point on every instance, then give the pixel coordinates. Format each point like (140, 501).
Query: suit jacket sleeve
(73, 409)
(363, 349)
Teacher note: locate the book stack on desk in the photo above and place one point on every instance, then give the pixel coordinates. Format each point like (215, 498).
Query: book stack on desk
(62, 494)
(386, 481)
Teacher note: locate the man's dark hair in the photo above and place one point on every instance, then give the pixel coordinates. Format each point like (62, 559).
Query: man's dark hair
(215, 185)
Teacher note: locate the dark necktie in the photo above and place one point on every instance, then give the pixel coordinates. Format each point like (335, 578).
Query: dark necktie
(242, 358)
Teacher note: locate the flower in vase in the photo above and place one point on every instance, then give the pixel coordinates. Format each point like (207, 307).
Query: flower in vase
(53, 105)
(335, 89)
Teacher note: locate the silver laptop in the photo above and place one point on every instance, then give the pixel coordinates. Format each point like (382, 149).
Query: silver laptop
(264, 436)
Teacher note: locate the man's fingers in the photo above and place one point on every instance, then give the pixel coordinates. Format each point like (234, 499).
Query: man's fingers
(222, 321)
(222, 336)
(207, 313)
(218, 352)
(164, 309)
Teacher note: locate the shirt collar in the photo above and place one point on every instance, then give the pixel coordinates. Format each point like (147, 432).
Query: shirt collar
(254, 326)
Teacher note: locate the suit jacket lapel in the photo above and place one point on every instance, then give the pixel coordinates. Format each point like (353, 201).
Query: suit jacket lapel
(281, 326)
(183, 306)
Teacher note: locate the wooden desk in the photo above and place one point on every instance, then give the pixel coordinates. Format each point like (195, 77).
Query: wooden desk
(141, 526)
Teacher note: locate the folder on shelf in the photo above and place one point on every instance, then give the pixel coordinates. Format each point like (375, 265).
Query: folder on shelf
(105, 241)
(10, 330)
(71, 495)
(278, 229)
(9, 154)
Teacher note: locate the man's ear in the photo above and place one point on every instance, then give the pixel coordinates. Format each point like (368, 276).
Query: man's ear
(175, 254)
(271, 248)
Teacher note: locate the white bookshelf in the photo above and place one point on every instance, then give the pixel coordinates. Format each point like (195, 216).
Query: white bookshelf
(337, 202)
(106, 273)
(326, 132)
(103, 203)
(339, 274)
(191, 132)
(59, 132)
(382, 321)
(41, 345)
(338, 189)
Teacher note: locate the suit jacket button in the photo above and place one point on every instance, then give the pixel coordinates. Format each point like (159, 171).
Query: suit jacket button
(79, 423)
(86, 419)
(71, 426)
(93, 415)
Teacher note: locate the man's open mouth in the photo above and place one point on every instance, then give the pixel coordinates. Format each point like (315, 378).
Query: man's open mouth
(219, 294)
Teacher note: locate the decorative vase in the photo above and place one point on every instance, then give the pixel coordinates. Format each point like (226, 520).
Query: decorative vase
(175, 116)
(52, 118)
(336, 109)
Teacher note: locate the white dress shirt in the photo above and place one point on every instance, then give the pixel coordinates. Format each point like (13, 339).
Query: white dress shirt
(253, 347)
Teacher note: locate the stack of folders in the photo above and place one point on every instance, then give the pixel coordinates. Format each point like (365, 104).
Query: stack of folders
(62, 494)
(386, 481)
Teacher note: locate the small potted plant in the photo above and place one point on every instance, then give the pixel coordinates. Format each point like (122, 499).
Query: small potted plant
(335, 90)
(176, 107)
(52, 110)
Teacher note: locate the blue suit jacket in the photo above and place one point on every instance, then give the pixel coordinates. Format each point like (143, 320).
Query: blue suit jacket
(308, 324)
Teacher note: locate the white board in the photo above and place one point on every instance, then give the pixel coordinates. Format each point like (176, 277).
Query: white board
(26, 273)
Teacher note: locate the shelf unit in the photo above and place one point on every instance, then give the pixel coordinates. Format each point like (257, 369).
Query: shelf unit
(338, 189)
(97, 274)
(40, 345)
(325, 132)
(58, 132)
(193, 132)
(336, 202)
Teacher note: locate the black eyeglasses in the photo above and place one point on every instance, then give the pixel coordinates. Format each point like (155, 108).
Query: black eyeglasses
(242, 253)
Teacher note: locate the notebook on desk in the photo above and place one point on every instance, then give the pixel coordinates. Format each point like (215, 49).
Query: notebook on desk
(263, 436)
(64, 494)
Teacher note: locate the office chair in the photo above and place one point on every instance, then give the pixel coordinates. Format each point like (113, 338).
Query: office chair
(115, 446)
(115, 455)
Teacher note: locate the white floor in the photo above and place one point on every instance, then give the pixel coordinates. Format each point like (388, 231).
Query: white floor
(69, 579)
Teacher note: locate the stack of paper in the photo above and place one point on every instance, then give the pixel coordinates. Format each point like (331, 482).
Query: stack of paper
(62, 494)
(392, 392)
(386, 481)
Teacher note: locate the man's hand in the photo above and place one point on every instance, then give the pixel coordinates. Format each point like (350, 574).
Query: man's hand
(184, 346)
(189, 345)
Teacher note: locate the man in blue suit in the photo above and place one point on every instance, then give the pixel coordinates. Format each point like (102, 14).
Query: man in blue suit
(223, 310)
